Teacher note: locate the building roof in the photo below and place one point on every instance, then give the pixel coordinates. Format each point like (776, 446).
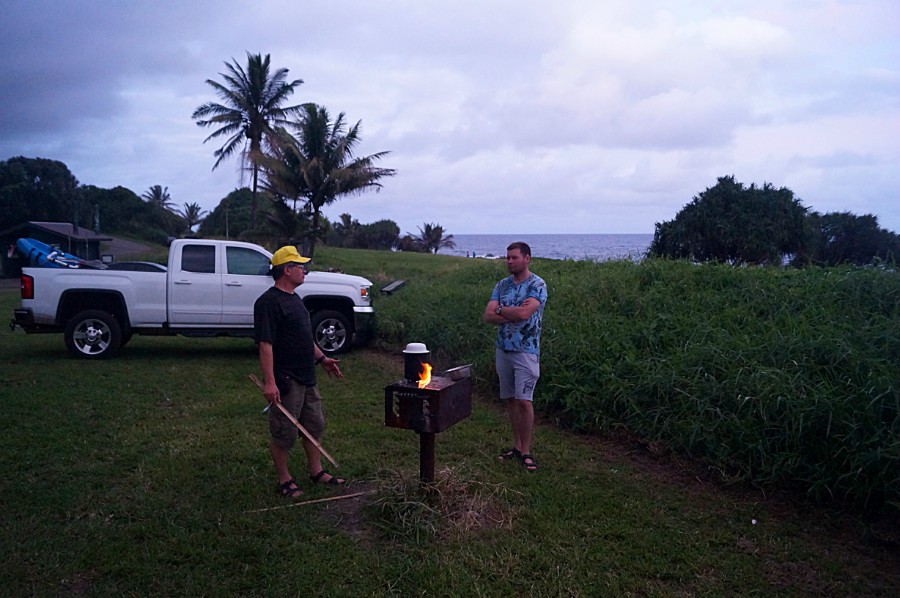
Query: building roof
(64, 229)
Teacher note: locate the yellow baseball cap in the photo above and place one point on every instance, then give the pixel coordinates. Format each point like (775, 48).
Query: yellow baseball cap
(287, 254)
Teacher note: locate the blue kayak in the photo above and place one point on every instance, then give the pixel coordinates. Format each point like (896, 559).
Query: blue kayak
(47, 256)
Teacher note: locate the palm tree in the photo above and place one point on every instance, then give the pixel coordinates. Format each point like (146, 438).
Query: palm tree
(318, 163)
(345, 230)
(287, 225)
(251, 110)
(192, 214)
(283, 176)
(159, 197)
(431, 238)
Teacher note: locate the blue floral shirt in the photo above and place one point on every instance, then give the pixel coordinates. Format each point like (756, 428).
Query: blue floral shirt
(524, 336)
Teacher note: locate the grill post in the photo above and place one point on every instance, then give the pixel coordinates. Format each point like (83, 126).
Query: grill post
(426, 457)
(427, 411)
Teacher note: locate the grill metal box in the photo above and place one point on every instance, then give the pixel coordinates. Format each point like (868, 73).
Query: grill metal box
(428, 410)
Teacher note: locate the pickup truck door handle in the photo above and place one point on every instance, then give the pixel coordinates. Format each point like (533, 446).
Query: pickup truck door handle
(182, 282)
(233, 284)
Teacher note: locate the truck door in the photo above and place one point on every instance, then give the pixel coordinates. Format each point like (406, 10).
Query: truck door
(195, 288)
(246, 278)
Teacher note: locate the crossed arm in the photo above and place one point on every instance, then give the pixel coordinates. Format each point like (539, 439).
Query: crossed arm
(517, 313)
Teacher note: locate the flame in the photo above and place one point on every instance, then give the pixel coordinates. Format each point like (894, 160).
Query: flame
(425, 375)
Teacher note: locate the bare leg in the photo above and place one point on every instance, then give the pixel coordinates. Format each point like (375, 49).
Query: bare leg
(313, 460)
(521, 416)
(280, 460)
(314, 463)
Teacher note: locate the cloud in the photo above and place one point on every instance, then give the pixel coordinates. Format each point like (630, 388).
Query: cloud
(502, 116)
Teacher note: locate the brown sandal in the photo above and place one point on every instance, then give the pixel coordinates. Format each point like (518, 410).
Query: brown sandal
(508, 454)
(529, 463)
(289, 489)
(332, 481)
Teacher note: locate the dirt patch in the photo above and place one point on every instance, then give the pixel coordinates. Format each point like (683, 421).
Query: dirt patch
(349, 514)
(396, 506)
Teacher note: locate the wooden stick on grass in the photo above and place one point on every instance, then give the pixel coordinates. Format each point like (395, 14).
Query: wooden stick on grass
(309, 502)
(294, 421)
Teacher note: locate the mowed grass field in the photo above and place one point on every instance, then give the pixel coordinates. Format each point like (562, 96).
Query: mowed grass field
(149, 474)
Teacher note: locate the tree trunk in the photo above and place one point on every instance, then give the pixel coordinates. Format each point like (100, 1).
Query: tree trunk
(312, 233)
(253, 199)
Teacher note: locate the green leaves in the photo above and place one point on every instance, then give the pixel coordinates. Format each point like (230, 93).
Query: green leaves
(317, 163)
(787, 378)
(252, 109)
(734, 224)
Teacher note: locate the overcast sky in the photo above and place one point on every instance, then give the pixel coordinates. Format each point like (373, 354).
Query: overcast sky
(506, 116)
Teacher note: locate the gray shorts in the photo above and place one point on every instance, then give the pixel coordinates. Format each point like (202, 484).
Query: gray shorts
(304, 403)
(519, 373)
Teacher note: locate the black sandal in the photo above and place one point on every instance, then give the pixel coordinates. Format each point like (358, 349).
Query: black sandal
(529, 463)
(289, 489)
(332, 481)
(508, 454)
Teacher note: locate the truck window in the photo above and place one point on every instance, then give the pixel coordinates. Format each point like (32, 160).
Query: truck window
(241, 260)
(198, 258)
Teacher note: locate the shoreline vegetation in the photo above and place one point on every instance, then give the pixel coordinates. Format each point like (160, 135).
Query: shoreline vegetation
(705, 430)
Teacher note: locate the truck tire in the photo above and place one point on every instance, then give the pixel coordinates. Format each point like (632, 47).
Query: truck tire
(93, 334)
(331, 331)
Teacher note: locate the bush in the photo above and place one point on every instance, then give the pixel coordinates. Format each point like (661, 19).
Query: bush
(780, 377)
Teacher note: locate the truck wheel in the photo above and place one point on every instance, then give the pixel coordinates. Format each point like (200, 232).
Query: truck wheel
(93, 334)
(331, 329)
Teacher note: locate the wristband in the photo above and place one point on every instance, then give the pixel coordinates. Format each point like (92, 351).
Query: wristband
(319, 360)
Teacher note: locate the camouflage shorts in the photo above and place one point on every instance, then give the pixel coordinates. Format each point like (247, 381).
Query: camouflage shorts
(304, 403)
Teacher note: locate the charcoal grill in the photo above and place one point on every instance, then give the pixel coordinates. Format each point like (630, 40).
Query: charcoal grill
(427, 411)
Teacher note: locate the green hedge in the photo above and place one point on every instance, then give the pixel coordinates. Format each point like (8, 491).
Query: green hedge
(781, 377)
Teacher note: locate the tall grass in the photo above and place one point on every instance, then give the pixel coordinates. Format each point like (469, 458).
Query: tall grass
(149, 474)
(784, 378)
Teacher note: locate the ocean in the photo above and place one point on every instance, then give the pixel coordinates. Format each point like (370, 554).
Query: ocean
(596, 247)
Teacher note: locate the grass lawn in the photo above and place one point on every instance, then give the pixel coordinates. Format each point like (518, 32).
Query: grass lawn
(149, 474)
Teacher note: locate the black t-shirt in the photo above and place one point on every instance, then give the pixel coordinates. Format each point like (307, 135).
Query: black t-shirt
(280, 318)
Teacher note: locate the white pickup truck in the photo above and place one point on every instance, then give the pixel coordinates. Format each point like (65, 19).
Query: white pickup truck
(208, 289)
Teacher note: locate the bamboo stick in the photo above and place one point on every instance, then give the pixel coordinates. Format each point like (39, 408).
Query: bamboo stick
(294, 421)
(309, 502)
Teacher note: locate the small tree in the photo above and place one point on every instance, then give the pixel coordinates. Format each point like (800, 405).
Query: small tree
(382, 234)
(231, 217)
(408, 243)
(319, 163)
(37, 189)
(845, 238)
(736, 224)
(343, 232)
(162, 212)
(288, 226)
(159, 197)
(431, 238)
(193, 214)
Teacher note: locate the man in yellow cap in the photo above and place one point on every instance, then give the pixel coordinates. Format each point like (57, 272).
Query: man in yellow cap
(288, 357)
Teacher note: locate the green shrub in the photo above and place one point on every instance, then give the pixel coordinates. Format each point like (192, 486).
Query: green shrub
(783, 378)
